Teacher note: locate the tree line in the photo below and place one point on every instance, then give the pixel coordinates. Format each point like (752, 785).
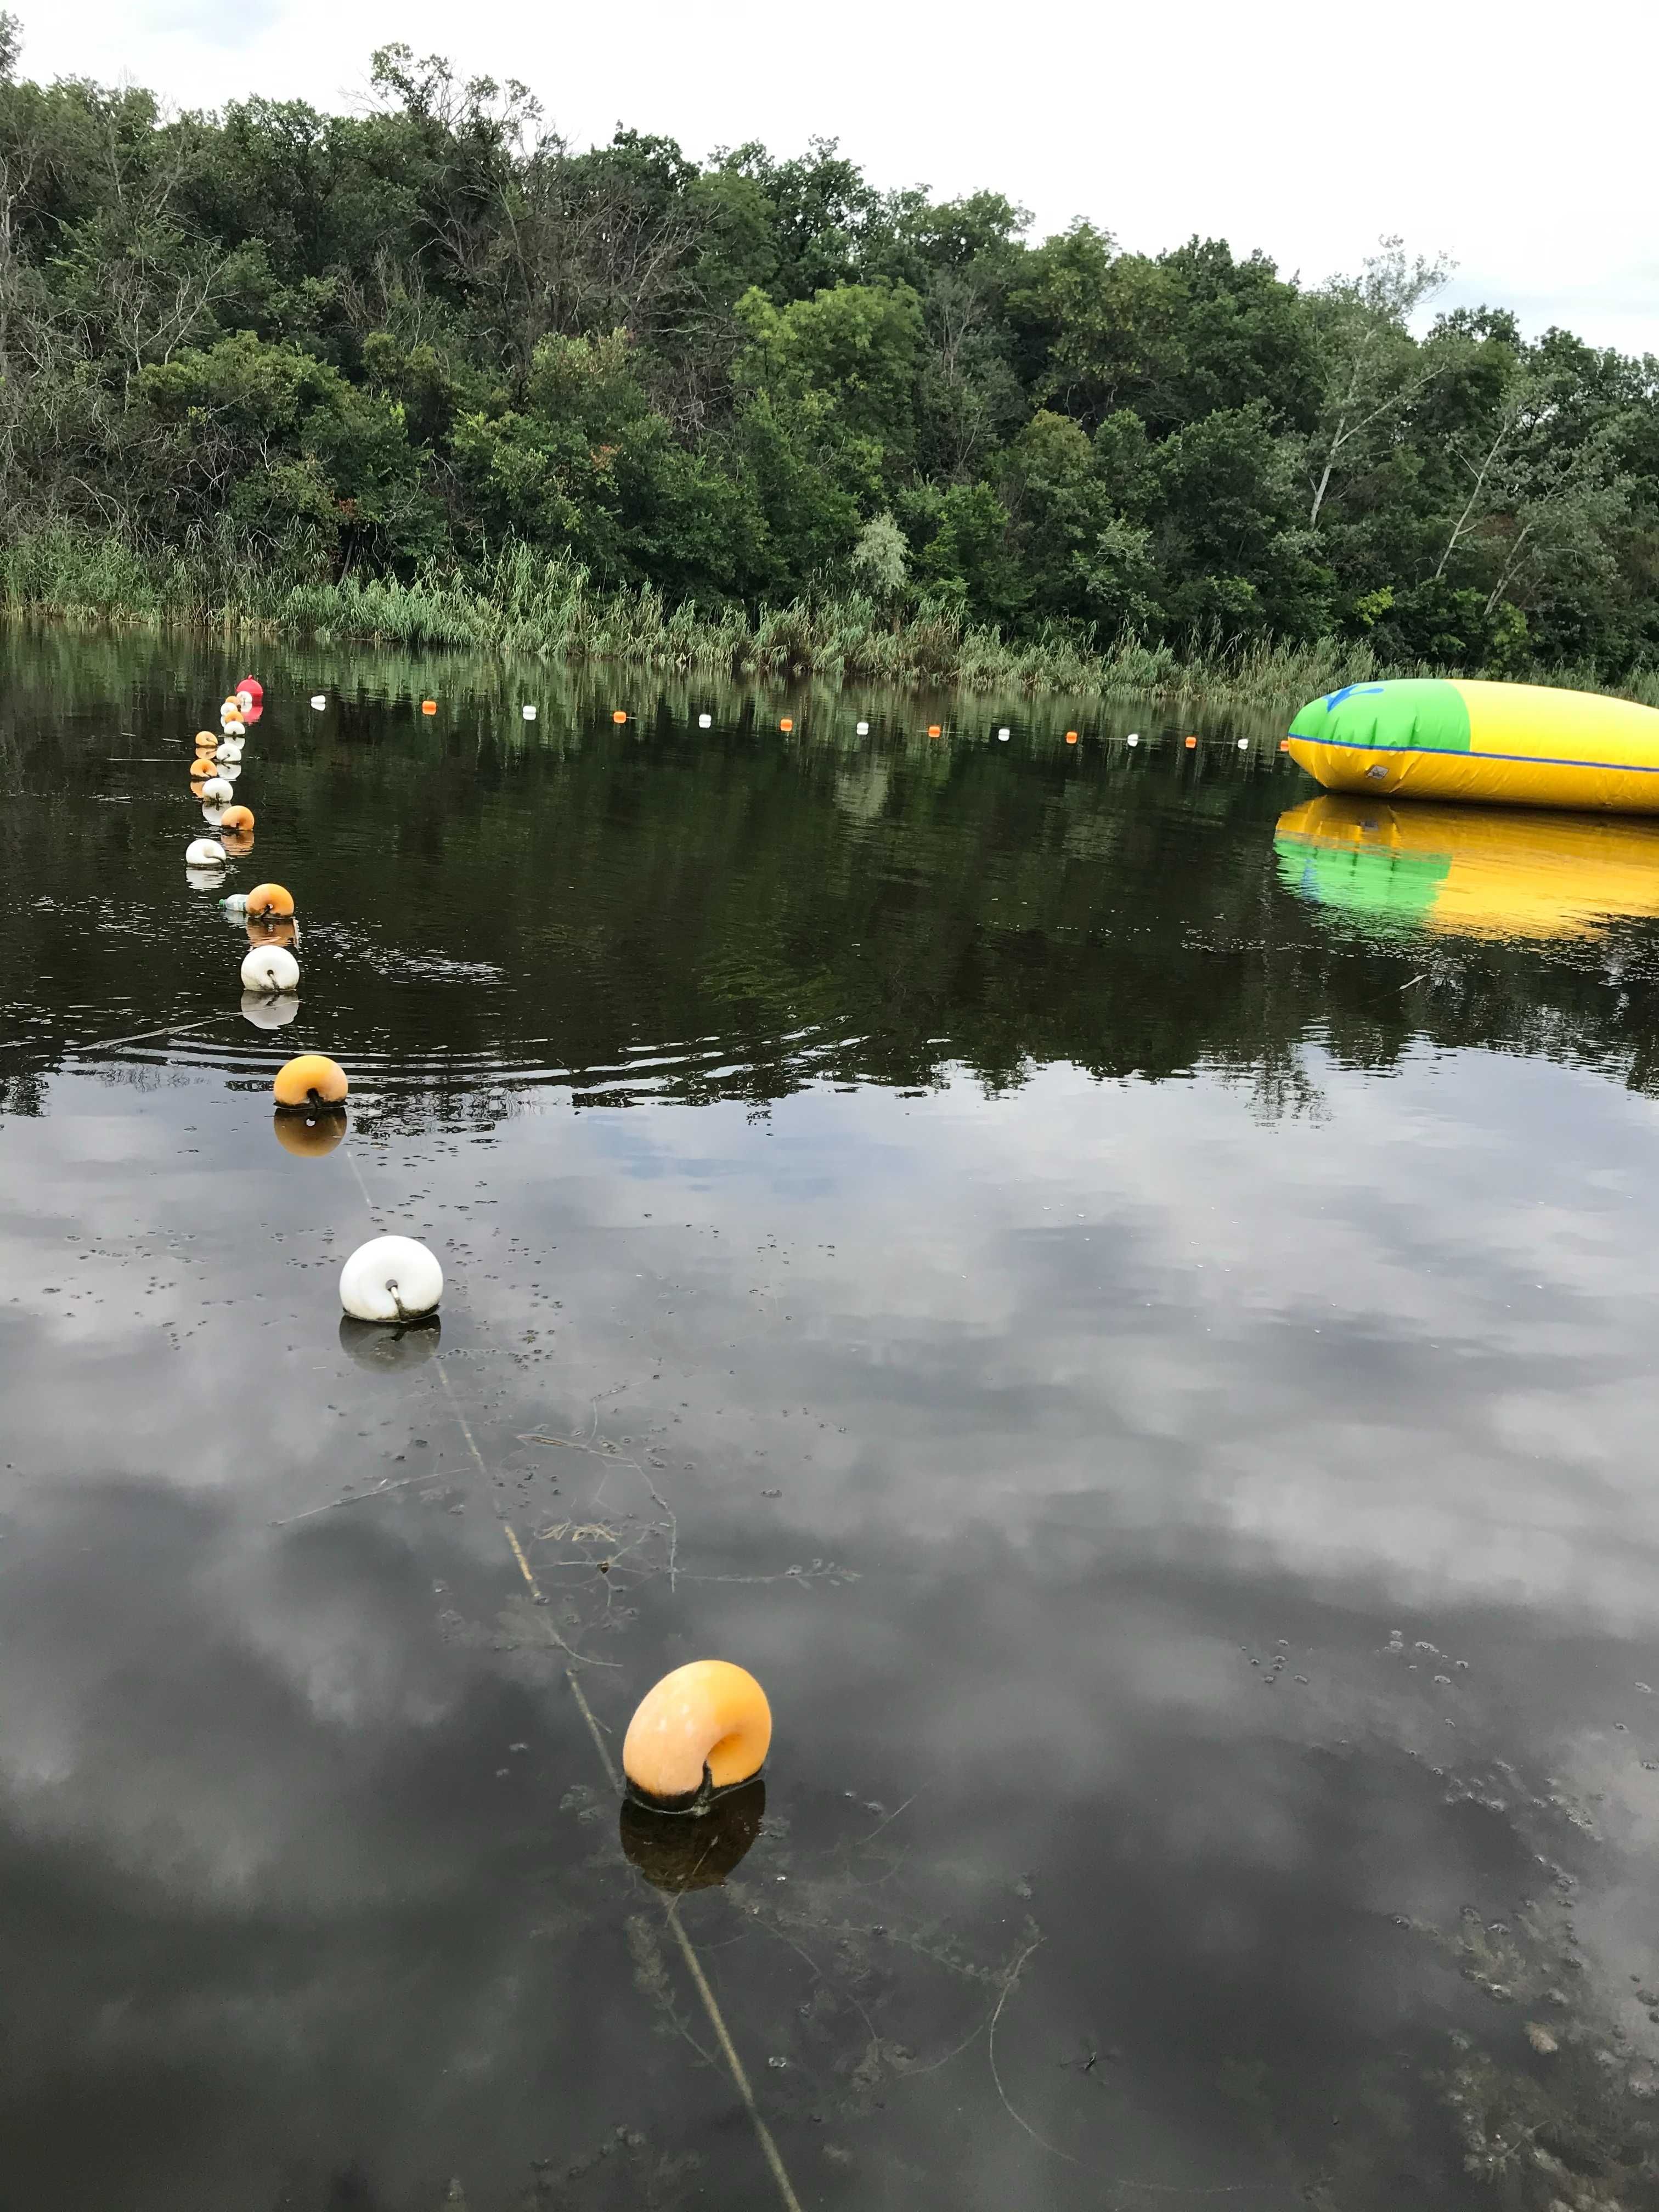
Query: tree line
(394, 342)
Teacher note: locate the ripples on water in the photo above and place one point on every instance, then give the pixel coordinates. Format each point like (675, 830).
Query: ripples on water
(1121, 1289)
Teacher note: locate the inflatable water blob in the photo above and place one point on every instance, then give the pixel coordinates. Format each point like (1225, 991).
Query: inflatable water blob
(267, 1013)
(1505, 745)
(676, 1854)
(312, 1081)
(308, 1135)
(204, 853)
(705, 1727)
(1468, 870)
(270, 898)
(273, 970)
(391, 1279)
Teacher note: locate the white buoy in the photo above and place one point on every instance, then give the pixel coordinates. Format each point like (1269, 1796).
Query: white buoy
(391, 1279)
(318, 699)
(1243, 742)
(529, 713)
(864, 729)
(1002, 737)
(230, 750)
(229, 770)
(271, 968)
(216, 791)
(705, 721)
(233, 727)
(204, 853)
(268, 1013)
(1133, 738)
(213, 815)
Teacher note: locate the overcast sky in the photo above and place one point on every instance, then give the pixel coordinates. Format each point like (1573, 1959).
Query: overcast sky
(1517, 142)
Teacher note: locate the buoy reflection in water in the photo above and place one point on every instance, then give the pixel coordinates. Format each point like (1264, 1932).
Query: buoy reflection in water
(675, 1854)
(1470, 870)
(267, 1013)
(310, 1136)
(388, 1348)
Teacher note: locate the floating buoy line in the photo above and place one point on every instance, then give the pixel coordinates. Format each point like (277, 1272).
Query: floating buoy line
(702, 1733)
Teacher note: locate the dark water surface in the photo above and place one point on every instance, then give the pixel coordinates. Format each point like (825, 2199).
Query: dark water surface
(1136, 1322)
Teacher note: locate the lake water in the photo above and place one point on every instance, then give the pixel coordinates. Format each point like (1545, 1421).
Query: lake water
(1134, 1318)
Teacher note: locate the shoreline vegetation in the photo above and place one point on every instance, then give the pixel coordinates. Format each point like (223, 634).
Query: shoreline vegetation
(428, 375)
(547, 607)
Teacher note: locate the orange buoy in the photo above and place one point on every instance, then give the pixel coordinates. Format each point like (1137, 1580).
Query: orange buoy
(934, 731)
(429, 706)
(308, 1135)
(619, 716)
(1071, 737)
(1284, 744)
(705, 1727)
(312, 1081)
(1191, 742)
(786, 725)
(236, 817)
(270, 898)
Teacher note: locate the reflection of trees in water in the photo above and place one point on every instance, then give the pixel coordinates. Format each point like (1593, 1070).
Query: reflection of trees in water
(658, 910)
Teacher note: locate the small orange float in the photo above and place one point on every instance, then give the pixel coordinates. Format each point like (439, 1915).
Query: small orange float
(312, 1081)
(619, 716)
(1071, 737)
(786, 725)
(935, 730)
(1191, 744)
(429, 706)
(270, 898)
(704, 1727)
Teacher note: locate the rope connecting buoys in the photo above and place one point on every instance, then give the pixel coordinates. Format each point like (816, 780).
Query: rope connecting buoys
(704, 1727)
(272, 970)
(391, 1279)
(204, 853)
(270, 898)
(237, 818)
(311, 1082)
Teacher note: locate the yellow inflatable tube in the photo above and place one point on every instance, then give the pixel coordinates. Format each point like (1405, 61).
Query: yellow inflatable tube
(1506, 744)
(1465, 871)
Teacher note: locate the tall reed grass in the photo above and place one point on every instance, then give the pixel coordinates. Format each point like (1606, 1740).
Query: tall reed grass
(522, 601)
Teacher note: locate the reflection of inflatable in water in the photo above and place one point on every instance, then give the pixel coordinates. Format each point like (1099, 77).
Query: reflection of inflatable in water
(1464, 870)
(1509, 744)
(388, 1351)
(676, 1854)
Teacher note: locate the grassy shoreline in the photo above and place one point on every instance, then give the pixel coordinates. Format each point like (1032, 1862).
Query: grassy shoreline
(526, 603)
